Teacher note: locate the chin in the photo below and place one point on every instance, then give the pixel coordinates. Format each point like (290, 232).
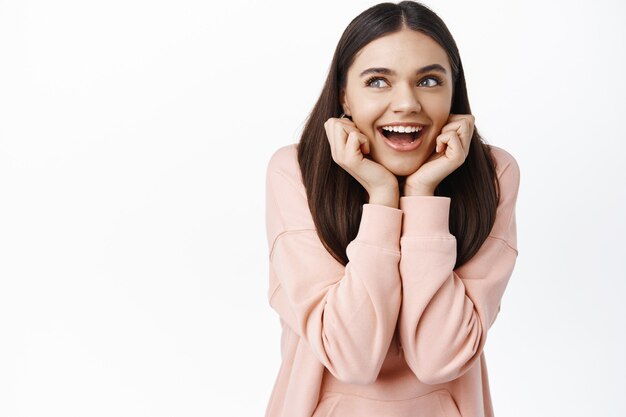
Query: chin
(402, 169)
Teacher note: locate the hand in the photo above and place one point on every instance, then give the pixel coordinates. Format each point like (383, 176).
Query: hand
(348, 147)
(451, 148)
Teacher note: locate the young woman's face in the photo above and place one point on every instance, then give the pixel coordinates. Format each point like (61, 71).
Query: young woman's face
(402, 78)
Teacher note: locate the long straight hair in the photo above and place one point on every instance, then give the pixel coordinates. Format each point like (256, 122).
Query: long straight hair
(336, 198)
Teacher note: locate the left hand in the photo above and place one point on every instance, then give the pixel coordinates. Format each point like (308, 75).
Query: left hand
(451, 149)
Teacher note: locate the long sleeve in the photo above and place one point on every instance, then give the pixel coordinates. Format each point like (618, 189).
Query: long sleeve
(346, 315)
(446, 313)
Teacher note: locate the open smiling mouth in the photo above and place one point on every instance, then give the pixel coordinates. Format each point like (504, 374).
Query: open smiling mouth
(401, 138)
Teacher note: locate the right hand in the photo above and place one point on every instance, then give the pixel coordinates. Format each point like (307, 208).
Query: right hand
(348, 147)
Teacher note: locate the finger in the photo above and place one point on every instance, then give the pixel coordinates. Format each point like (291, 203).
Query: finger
(448, 143)
(459, 130)
(338, 130)
(355, 143)
(350, 151)
(340, 136)
(459, 119)
(454, 150)
(345, 122)
(456, 117)
(451, 126)
(329, 127)
(365, 144)
(464, 129)
(442, 141)
(365, 148)
(466, 141)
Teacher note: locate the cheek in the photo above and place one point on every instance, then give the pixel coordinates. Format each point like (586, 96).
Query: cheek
(367, 110)
(364, 117)
(439, 113)
(365, 107)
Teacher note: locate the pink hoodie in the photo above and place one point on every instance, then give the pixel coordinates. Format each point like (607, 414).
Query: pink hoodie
(397, 331)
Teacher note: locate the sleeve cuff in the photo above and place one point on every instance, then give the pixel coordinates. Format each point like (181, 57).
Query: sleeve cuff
(380, 226)
(425, 215)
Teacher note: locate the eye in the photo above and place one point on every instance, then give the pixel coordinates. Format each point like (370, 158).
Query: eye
(437, 80)
(370, 82)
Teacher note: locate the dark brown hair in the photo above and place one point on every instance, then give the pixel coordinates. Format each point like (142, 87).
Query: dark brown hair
(336, 199)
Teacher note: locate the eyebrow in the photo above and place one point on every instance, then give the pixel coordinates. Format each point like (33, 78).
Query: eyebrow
(387, 71)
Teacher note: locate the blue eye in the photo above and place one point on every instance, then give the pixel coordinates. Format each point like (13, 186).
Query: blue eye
(438, 81)
(372, 80)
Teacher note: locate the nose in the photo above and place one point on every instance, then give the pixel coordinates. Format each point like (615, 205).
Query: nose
(405, 99)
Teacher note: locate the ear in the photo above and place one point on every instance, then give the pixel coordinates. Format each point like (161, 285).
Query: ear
(344, 102)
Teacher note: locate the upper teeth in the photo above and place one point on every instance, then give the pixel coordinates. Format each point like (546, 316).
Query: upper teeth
(402, 129)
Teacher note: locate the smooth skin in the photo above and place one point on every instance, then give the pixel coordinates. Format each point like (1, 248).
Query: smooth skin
(374, 100)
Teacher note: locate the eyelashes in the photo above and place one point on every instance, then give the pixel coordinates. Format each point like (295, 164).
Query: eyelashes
(369, 81)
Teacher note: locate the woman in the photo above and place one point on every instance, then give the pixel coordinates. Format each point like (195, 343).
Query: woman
(391, 229)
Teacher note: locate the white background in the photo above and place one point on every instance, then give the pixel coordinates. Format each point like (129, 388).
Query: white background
(134, 137)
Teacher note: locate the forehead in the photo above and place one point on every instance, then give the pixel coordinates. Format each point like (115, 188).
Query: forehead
(406, 49)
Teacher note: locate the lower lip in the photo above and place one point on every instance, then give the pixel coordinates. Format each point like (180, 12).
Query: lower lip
(404, 147)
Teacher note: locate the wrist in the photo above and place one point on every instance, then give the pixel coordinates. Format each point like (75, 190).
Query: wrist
(388, 197)
(420, 190)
